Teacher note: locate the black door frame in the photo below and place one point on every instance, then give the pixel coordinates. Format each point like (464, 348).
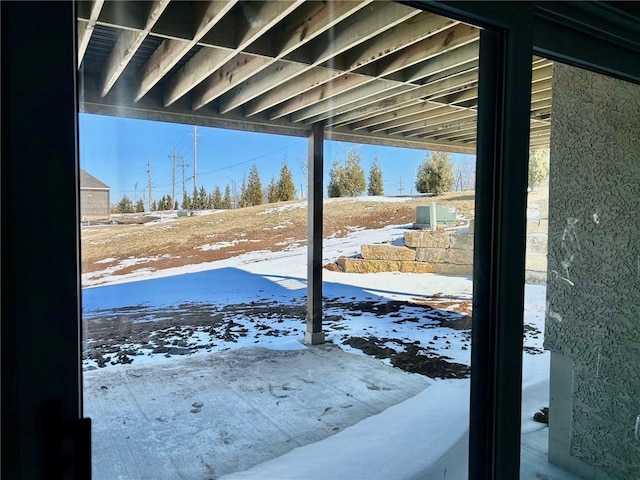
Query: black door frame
(40, 324)
(593, 36)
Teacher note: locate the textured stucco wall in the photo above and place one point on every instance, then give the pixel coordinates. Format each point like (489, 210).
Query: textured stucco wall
(593, 286)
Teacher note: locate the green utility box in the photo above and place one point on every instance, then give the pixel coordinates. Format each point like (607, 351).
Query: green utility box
(445, 216)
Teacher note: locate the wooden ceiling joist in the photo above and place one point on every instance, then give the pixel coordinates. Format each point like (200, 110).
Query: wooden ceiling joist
(296, 31)
(85, 29)
(170, 51)
(371, 71)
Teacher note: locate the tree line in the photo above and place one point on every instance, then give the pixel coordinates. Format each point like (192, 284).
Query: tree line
(435, 175)
(250, 193)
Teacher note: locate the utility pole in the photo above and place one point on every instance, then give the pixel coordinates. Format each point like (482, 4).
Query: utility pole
(135, 189)
(400, 188)
(195, 156)
(184, 187)
(173, 191)
(149, 175)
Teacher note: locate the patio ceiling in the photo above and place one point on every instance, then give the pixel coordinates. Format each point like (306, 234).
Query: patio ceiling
(372, 71)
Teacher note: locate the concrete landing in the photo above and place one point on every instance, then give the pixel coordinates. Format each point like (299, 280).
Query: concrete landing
(208, 415)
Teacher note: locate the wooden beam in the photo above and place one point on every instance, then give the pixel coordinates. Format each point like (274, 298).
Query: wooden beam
(354, 30)
(341, 91)
(412, 114)
(396, 39)
(171, 51)
(541, 82)
(85, 29)
(348, 114)
(295, 32)
(256, 86)
(443, 42)
(262, 17)
(428, 126)
(310, 78)
(346, 135)
(127, 45)
(238, 69)
(459, 56)
(320, 101)
(376, 123)
(315, 167)
(376, 18)
(541, 88)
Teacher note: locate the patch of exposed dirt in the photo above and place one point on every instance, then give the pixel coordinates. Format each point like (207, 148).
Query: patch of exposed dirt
(411, 358)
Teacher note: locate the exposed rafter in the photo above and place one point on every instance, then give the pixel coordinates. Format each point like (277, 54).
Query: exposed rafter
(430, 47)
(171, 51)
(354, 31)
(208, 60)
(370, 71)
(127, 45)
(296, 32)
(85, 29)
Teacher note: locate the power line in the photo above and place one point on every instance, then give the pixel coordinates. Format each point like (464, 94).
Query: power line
(247, 161)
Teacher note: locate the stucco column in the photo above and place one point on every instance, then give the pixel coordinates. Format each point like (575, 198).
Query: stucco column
(314, 334)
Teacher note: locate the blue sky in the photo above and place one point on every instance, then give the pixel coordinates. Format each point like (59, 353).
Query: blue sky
(115, 150)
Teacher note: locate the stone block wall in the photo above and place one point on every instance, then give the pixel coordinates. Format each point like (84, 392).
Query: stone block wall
(424, 251)
(447, 252)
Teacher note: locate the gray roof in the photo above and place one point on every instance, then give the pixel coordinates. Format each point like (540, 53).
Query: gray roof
(89, 181)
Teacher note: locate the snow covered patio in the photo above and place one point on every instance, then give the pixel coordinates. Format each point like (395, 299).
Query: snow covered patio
(268, 407)
(353, 417)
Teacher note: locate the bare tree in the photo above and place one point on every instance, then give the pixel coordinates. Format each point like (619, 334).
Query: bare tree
(464, 174)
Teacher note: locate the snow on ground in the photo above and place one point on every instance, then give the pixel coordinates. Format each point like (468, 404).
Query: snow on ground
(422, 436)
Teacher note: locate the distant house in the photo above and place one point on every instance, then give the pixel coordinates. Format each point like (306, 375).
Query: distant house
(94, 198)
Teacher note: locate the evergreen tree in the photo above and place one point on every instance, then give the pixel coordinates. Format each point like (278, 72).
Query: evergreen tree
(286, 190)
(226, 201)
(334, 188)
(347, 180)
(139, 206)
(354, 181)
(195, 200)
(186, 201)
(125, 205)
(435, 174)
(244, 196)
(154, 206)
(376, 185)
(203, 199)
(272, 191)
(216, 198)
(538, 167)
(254, 187)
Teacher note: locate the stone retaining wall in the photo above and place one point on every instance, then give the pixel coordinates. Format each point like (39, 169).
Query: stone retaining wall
(448, 252)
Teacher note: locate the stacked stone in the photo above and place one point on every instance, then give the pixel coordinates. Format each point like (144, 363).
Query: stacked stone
(424, 252)
(384, 258)
(448, 252)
